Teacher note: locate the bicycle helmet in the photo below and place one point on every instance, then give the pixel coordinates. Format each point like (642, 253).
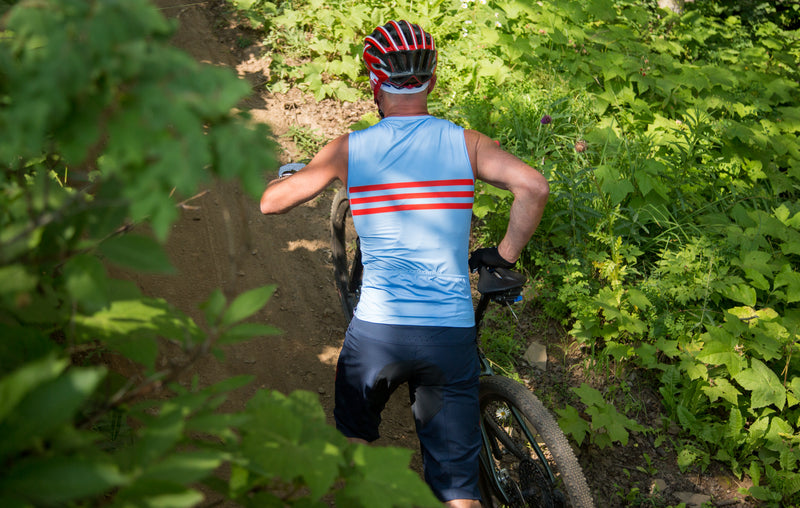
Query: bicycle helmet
(401, 57)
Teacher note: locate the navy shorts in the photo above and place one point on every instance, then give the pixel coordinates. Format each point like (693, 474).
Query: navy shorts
(441, 367)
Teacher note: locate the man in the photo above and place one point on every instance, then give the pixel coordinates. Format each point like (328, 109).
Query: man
(410, 181)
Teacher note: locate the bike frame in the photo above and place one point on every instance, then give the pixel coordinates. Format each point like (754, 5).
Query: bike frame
(507, 297)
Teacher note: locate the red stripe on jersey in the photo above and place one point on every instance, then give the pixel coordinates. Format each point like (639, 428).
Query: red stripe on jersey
(401, 185)
(398, 208)
(411, 195)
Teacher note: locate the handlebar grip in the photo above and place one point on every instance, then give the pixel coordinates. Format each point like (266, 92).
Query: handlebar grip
(290, 169)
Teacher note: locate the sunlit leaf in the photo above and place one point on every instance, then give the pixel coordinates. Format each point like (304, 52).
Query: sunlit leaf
(247, 304)
(764, 385)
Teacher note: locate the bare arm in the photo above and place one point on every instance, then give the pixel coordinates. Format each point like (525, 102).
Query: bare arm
(530, 189)
(328, 165)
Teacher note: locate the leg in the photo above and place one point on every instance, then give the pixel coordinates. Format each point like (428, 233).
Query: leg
(463, 503)
(447, 415)
(367, 373)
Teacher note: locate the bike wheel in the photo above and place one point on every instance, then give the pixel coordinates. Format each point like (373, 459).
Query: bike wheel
(346, 253)
(526, 460)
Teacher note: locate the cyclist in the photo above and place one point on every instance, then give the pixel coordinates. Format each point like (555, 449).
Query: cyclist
(410, 181)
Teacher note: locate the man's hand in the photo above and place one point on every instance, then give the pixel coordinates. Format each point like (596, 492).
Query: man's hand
(488, 257)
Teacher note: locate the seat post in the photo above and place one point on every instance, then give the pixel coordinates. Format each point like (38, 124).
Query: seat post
(480, 309)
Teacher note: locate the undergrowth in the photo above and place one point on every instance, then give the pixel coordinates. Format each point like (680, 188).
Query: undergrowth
(671, 240)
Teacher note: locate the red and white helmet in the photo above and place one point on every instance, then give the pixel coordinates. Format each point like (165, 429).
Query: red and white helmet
(400, 54)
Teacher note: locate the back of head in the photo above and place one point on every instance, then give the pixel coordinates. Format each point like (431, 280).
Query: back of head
(401, 58)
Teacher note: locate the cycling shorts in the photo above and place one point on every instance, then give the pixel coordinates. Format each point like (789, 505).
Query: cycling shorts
(441, 367)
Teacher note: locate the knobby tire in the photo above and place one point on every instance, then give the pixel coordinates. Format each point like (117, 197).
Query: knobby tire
(345, 253)
(509, 447)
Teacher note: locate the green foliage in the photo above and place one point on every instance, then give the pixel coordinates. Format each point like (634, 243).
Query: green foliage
(606, 425)
(286, 446)
(107, 130)
(307, 140)
(499, 340)
(671, 237)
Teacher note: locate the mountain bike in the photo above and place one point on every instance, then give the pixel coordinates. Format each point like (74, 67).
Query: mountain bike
(525, 460)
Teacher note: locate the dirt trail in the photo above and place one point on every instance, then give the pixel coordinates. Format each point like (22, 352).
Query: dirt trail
(226, 243)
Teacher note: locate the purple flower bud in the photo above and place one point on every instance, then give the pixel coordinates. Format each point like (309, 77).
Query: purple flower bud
(546, 119)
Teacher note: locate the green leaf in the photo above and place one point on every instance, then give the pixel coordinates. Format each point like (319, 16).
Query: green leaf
(751, 315)
(247, 304)
(791, 279)
(589, 396)
(741, 293)
(214, 306)
(368, 120)
(572, 424)
(15, 279)
(757, 431)
(130, 327)
(722, 388)
(158, 494)
(48, 406)
(757, 268)
(185, 467)
(794, 385)
(287, 437)
(606, 418)
(386, 481)
(638, 299)
(687, 457)
(613, 184)
(735, 424)
(647, 356)
(15, 385)
(720, 348)
(779, 429)
(147, 316)
(142, 349)
(85, 280)
(20, 345)
(159, 435)
(61, 479)
(137, 252)
(764, 385)
(769, 340)
(217, 424)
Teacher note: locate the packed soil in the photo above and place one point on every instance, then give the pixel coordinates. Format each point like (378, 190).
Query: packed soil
(223, 241)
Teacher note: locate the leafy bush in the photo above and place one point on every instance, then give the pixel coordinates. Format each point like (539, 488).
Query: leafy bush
(107, 131)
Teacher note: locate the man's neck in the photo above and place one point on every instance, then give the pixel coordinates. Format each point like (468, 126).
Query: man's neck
(404, 105)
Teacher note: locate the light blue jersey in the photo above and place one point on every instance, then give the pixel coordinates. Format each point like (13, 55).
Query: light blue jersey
(411, 186)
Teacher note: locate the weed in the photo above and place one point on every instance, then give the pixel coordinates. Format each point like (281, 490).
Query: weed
(308, 141)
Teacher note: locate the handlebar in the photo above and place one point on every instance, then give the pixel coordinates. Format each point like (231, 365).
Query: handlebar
(290, 169)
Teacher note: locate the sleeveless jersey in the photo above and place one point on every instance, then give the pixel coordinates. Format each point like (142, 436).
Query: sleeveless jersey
(411, 186)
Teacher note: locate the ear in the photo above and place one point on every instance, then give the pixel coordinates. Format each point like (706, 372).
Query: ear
(379, 94)
(433, 83)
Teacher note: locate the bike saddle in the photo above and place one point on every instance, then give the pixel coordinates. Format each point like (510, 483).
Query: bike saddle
(498, 280)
